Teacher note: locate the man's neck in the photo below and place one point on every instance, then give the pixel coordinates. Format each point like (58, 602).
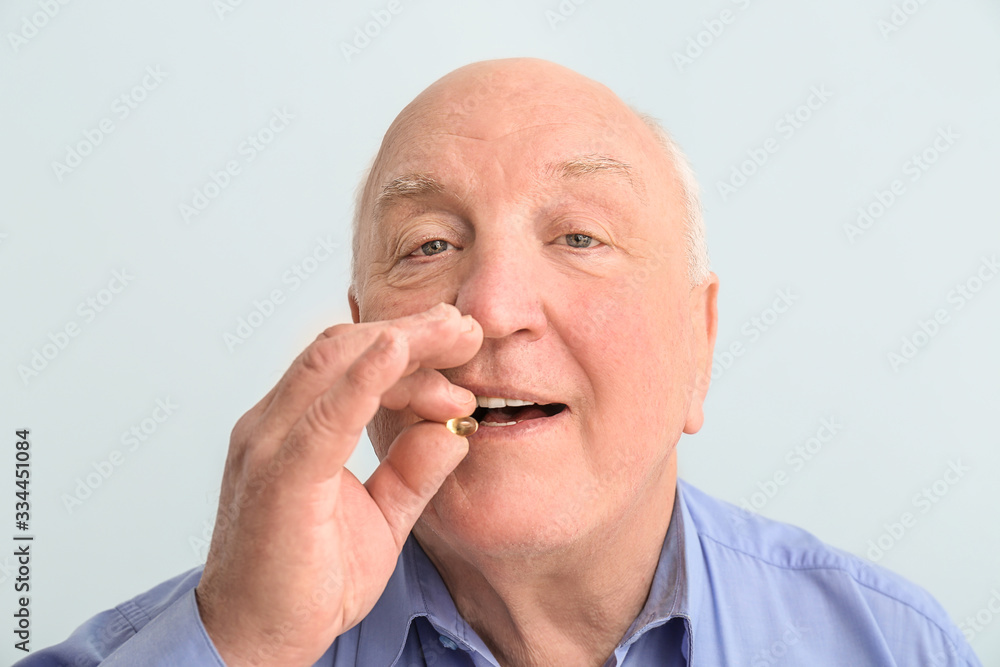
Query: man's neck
(570, 608)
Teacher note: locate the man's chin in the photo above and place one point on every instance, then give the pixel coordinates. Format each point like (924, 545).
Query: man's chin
(504, 523)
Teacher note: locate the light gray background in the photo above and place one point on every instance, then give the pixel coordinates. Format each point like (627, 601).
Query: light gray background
(225, 73)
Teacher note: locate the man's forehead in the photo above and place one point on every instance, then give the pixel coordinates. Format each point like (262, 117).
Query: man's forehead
(574, 127)
(513, 98)
(536, 142)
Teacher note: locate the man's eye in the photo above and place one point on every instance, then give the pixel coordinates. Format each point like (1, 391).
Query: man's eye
(432, 248)
(579, 240)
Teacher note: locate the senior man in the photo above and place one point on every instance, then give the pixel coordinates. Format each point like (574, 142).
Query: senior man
(526, 242)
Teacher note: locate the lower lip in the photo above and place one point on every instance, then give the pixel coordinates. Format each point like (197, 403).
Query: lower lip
(532, 427)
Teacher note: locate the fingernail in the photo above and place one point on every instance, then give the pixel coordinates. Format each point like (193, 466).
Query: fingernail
(469, 325)
(461, 394)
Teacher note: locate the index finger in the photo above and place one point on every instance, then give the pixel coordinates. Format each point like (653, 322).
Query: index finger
(427, 334)
(436, 338)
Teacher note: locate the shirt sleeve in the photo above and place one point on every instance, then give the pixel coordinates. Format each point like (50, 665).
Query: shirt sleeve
(161, 627)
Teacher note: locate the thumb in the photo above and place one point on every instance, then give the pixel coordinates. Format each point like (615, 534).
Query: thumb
(417, 463)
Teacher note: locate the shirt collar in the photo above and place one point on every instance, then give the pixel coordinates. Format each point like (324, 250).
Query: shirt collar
(668, 593)
(416, 589)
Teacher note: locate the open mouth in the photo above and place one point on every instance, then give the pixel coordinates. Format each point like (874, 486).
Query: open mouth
(507, 412)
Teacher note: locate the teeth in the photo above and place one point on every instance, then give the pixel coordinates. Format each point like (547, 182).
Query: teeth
(491, 402)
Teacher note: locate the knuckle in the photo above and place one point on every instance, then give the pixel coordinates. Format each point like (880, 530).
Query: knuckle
(241, 446)
(242, 434)
(322, 417)
(372, 366)
(366, 372)
(335, 331)
(323, 354)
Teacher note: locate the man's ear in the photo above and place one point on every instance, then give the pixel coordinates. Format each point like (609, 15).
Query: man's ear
(704, 322)
(352, 299)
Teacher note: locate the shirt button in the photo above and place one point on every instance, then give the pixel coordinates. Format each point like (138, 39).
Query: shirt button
(448, 643)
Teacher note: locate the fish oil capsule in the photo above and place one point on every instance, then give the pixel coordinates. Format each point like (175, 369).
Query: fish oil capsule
(463, 426)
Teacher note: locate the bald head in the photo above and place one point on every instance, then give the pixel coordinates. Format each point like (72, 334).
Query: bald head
(487, 101)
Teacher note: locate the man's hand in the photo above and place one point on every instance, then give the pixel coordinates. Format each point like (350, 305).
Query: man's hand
(302, 550)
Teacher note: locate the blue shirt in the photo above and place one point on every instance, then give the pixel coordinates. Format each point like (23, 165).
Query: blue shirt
(731, 588)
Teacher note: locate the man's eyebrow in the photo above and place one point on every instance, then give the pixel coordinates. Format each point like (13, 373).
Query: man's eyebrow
(584, 165)
(417, 185)
(408, 186)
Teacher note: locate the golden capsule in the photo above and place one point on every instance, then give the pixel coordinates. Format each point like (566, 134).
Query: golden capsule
(463, 426)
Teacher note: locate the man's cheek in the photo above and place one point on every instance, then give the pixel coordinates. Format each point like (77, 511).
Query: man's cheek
(599, 319)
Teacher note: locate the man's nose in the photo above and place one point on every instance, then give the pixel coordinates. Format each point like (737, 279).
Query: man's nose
(503, 290)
